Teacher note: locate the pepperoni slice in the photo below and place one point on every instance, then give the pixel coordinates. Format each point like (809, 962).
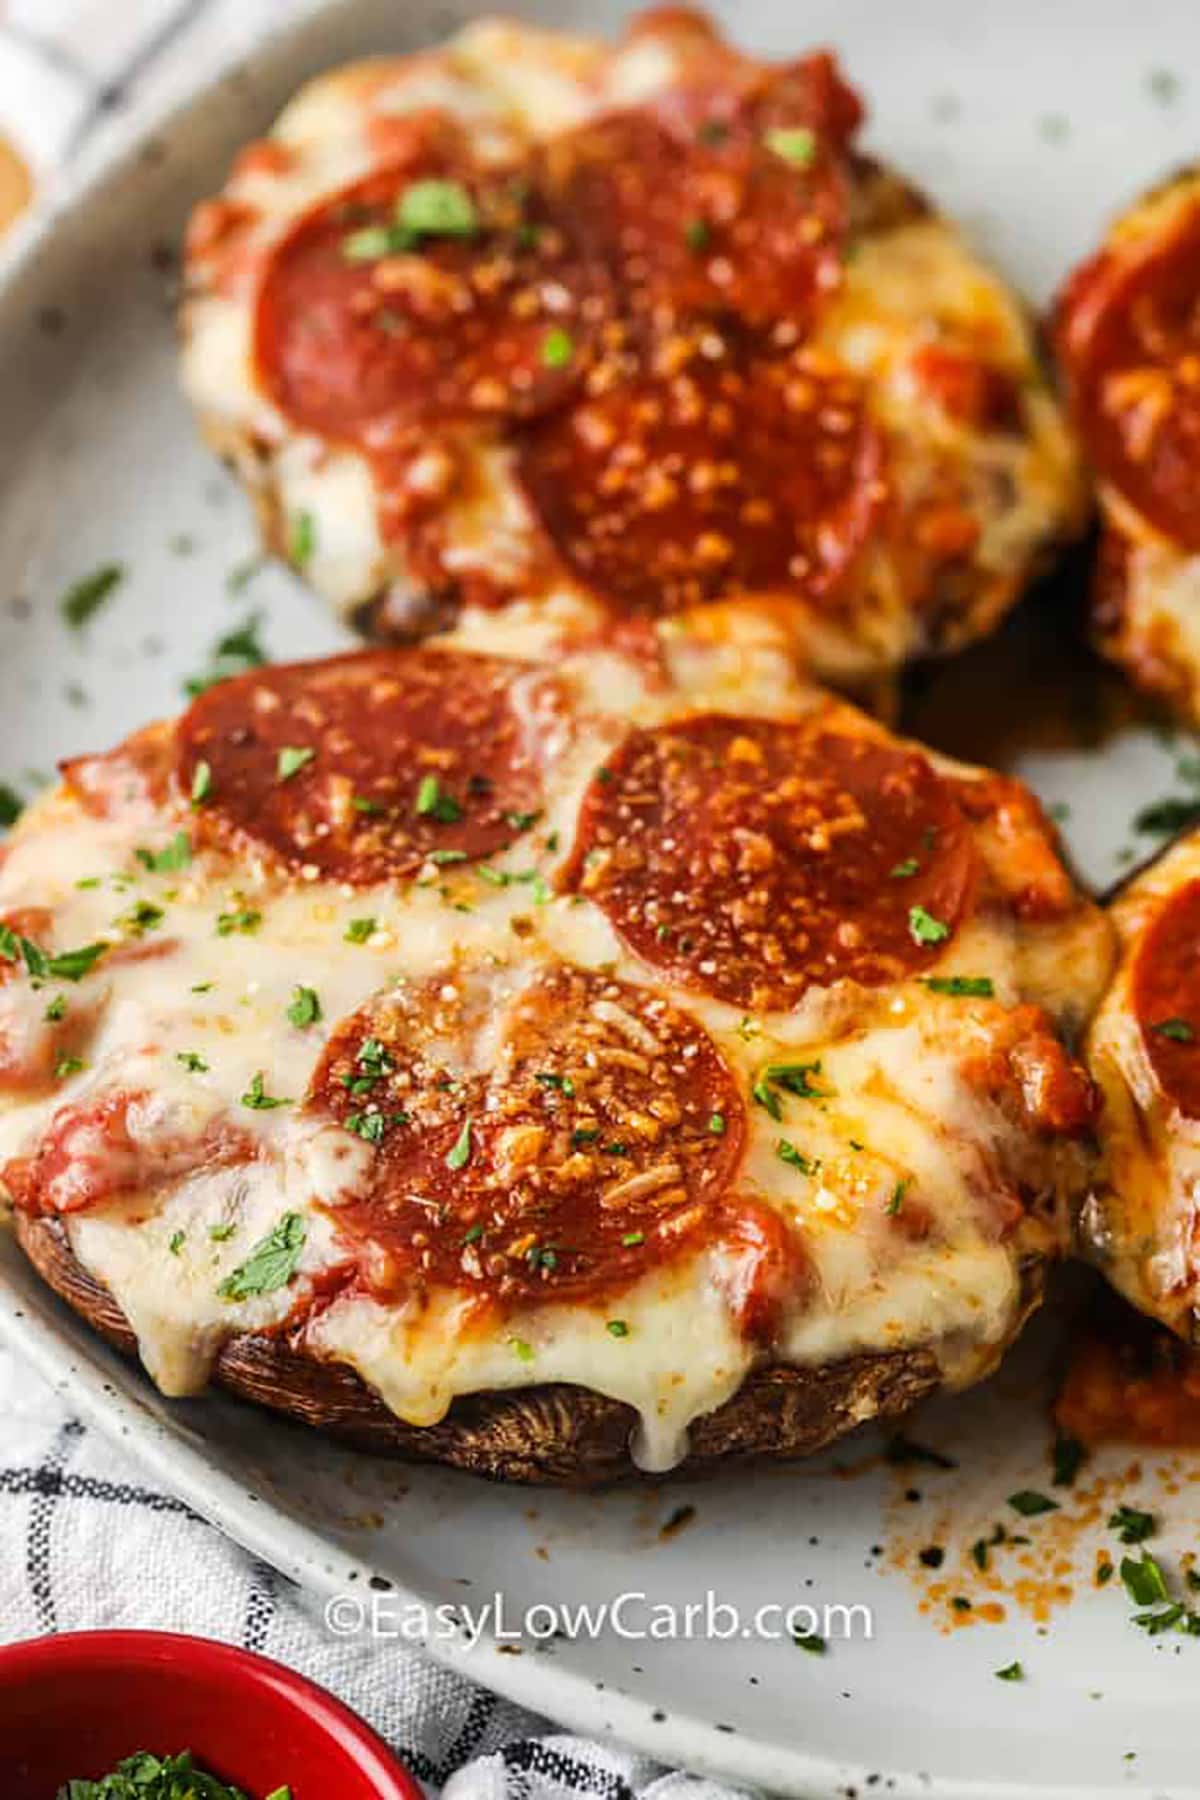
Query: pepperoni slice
(559, 1140)
(1129, 331)
(364, 765)
(1166, 998)
(700, 468)
(706, 218)
(367, 326)
(753, 858)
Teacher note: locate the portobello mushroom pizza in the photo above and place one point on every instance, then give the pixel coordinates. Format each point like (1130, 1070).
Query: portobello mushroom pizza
(1140, 1223)
(1127, 333)
(581, 334)
(641, 1063)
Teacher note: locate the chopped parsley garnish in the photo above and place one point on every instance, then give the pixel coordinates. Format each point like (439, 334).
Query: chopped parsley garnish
(459, 1153)
(793, 1078)
(442, 857)
(67, 1065)
(521, 1349)
(201, 783)
(563, 1083)
(244, 919)
(243, 573)
(810, 1641)
(292, 758)
(961, 987)
(11, 806)
(374, 241)
(220, 1234)
(1144, 1580)
(67, 965)
(1164, 817)
(903, 870)
(617, 1328)
(374, 1058)
(896, 1198)
(73, 965)
(433, 804)
(83, 600)
(437, 208)
(56, 1010)
(174, 856)
(796, 144)
(1029, 1503)
(176, 1242)
(368, 1125)
(558, 347)
(795, 1159)
(583, 1134)
(632, 1239)
(142, 917)
(1069, 1458)
(697, 234)
(1014, 1672)
(258, 1100)
(473, 1235)
(192, 1061)
(1132, 1526)
(305, 1008)
(272, 1262)
(712, 131)
(1173, 1615)
(1178, 1030)
(924, 928)
(232, 654)
(716, 1124)
(303, 538)
(359, 930)
(522, 821)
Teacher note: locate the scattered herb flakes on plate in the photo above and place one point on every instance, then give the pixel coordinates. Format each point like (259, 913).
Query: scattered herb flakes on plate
(84, 598)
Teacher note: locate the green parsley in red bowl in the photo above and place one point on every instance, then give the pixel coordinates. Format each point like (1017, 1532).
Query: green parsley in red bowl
(74, 1708)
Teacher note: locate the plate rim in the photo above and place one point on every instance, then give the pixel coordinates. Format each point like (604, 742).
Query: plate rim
(78, 1373)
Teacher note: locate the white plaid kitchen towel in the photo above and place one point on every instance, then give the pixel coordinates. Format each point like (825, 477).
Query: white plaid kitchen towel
(85, 1540)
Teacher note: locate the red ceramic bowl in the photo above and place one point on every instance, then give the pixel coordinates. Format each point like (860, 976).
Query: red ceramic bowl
(75, 1705)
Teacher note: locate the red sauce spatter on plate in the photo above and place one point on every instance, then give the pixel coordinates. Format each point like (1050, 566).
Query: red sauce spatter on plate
(414, 752)
(442, 327)
(700, 467)
(753, 859)
(554, 1142)
(1166, 998)
(1128, 331)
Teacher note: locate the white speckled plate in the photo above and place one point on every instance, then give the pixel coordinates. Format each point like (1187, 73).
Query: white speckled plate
(1031, 123)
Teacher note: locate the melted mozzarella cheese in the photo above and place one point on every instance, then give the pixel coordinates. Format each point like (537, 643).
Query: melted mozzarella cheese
(906, 286)
(198, 1013)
